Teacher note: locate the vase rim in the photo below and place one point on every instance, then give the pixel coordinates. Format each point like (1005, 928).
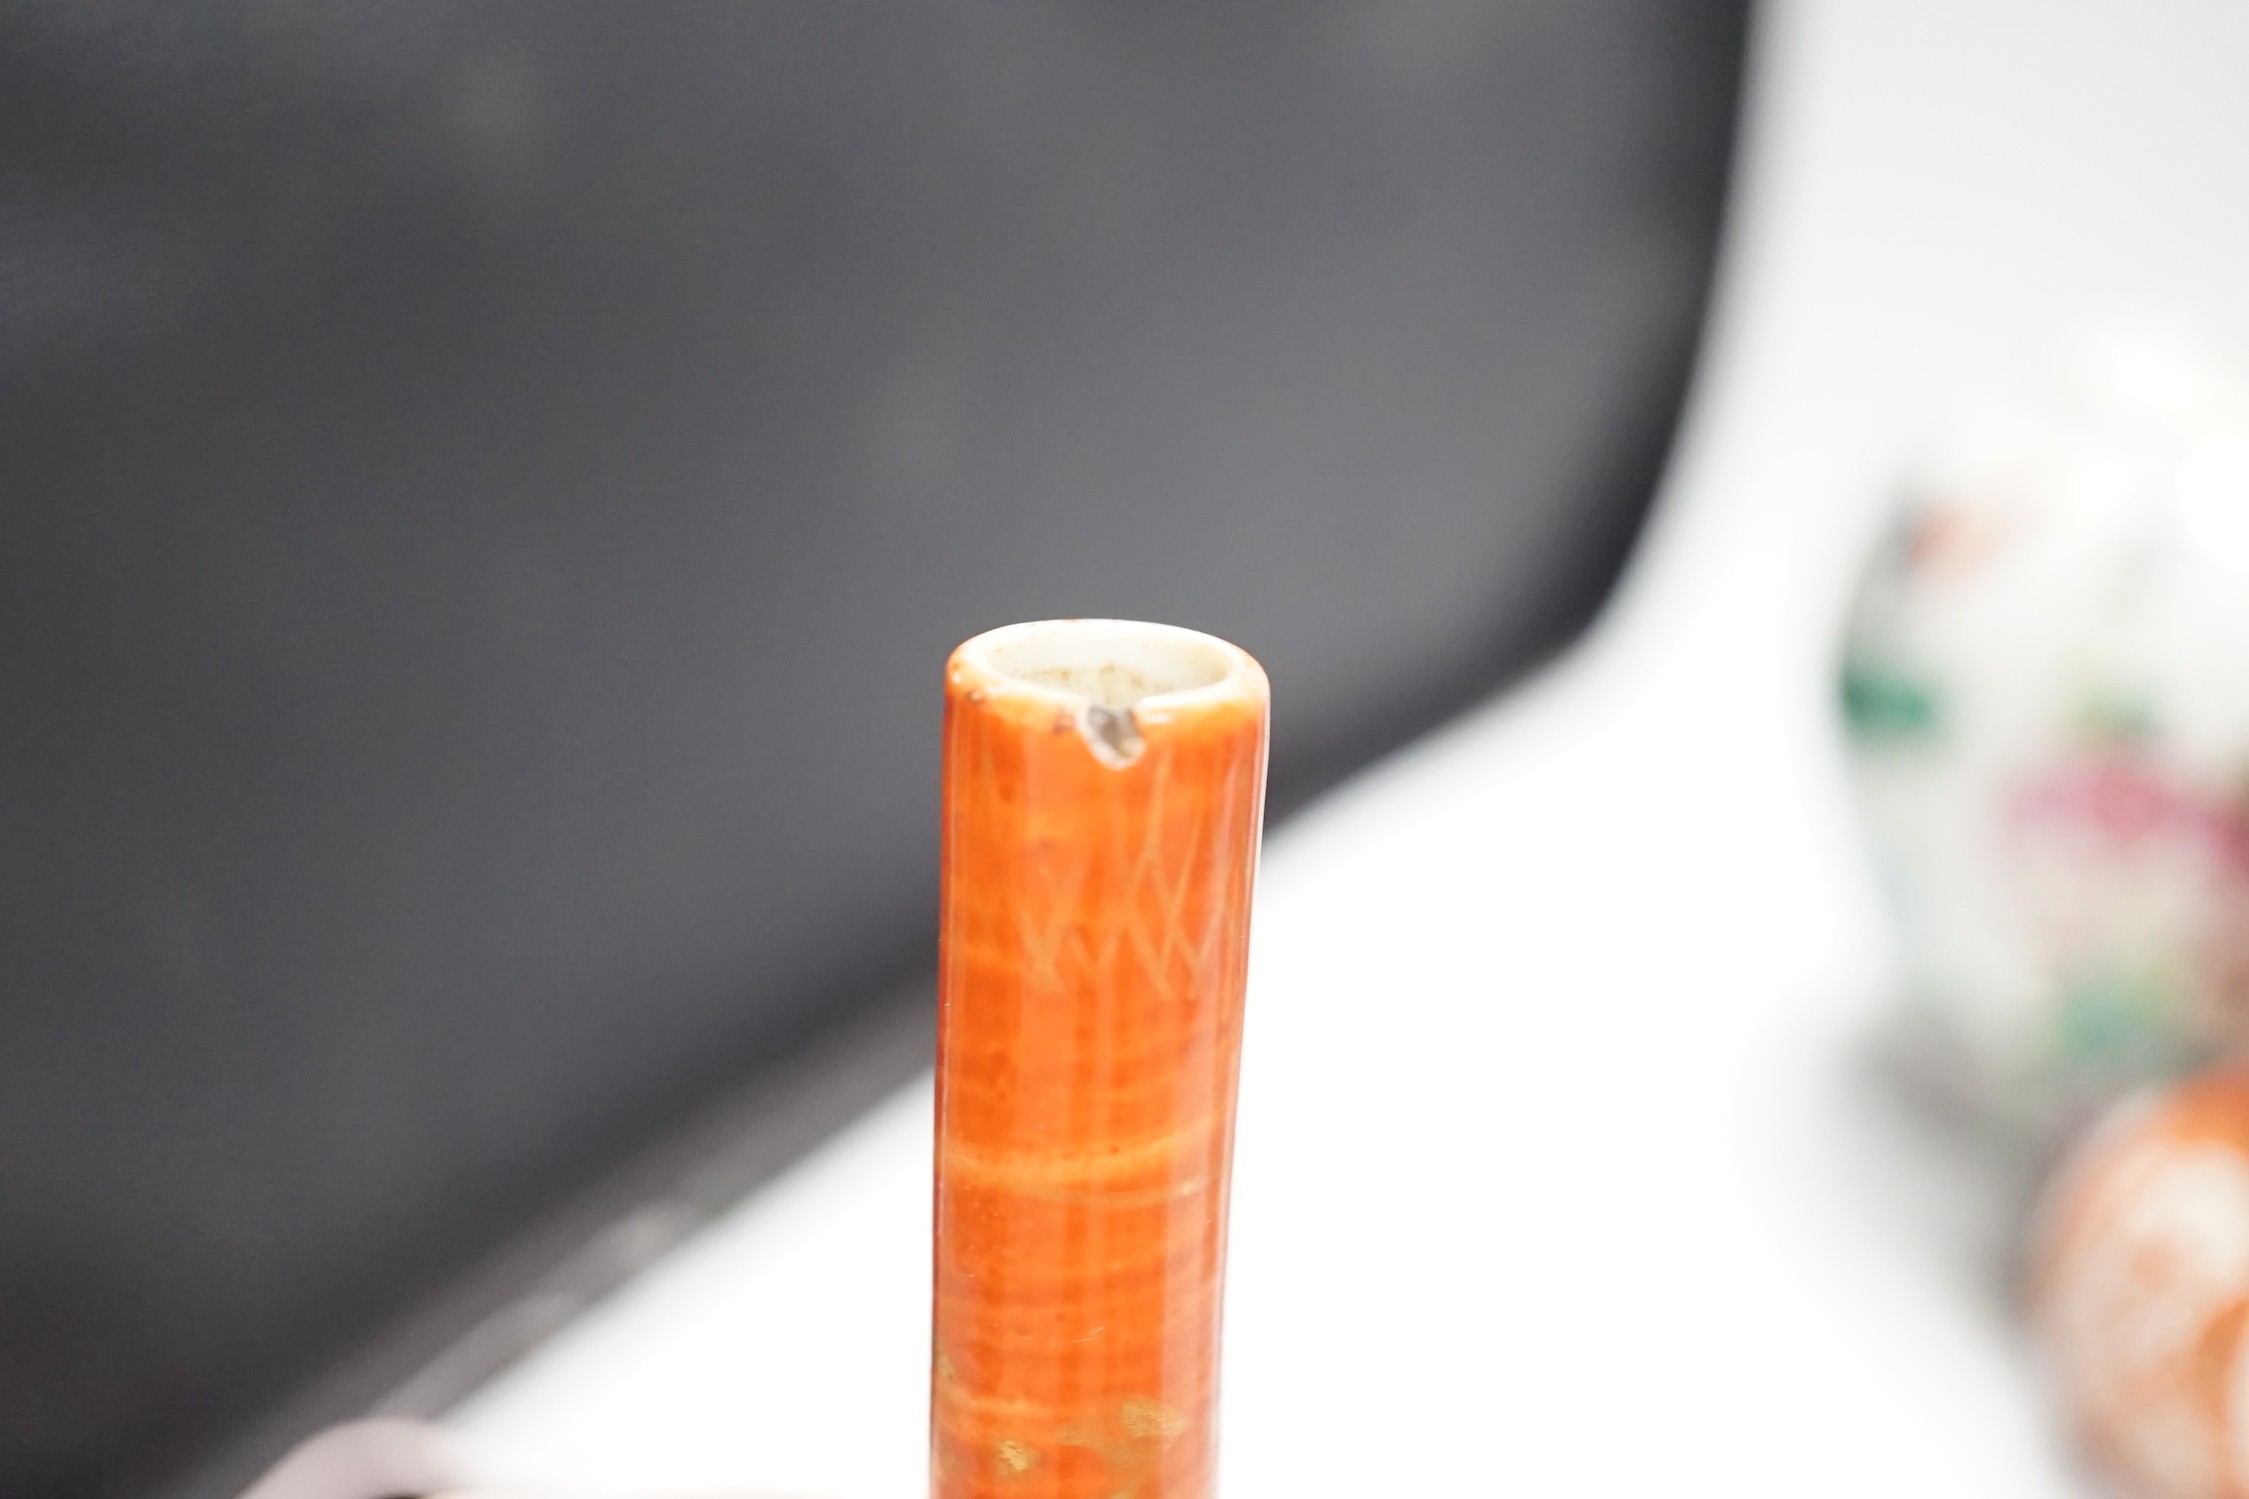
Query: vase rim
(1120, 665)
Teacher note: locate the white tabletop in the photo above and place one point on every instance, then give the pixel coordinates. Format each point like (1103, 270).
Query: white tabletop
(1557, 1174)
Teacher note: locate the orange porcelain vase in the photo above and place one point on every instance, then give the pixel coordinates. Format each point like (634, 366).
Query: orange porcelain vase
(2140, 1289)
(1104, 787)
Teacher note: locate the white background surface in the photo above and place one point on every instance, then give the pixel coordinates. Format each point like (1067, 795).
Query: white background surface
(1554, 1176)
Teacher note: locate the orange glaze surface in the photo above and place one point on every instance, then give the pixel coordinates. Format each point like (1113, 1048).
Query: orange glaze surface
(2140, 1289)
(1094, 948)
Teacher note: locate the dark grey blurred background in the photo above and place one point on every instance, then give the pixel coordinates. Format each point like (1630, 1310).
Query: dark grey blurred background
(486, 492)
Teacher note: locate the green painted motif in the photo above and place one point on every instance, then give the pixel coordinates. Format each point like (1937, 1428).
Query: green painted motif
(1885, 702)
(2122, 1024)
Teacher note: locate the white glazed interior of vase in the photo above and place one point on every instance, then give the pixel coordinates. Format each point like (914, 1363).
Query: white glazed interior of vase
(1111, 663)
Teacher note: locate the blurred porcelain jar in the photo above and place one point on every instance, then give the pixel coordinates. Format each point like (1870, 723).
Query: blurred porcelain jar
(2046, 687)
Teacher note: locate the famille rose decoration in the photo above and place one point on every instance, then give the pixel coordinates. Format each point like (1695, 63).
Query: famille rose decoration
(2046, 686)
(1103, 792)
(2140, 1290)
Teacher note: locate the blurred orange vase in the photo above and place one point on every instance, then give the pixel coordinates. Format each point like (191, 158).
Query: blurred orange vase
(2140, 1289)
(1104, 788)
